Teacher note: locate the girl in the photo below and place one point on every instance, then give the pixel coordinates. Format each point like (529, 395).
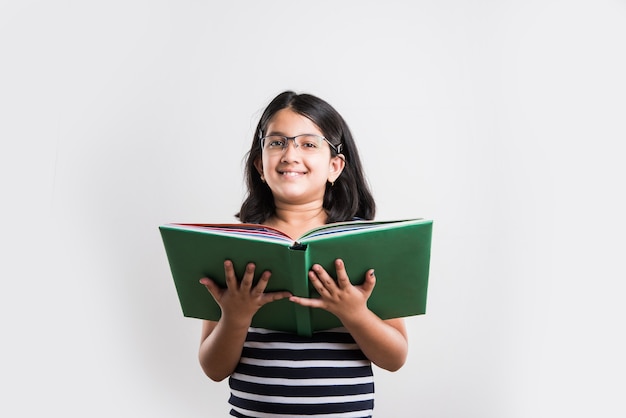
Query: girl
(303, 171)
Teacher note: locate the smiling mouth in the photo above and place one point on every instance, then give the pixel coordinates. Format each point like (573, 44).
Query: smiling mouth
(292, 173)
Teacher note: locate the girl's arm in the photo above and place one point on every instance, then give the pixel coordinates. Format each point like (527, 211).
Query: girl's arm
(222, 342)
(385, 343)
(220, 348)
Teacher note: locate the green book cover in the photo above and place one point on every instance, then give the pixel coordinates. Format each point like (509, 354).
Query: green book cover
(399, 251)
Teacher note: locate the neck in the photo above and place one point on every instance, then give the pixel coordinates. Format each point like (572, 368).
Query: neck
(296, 220)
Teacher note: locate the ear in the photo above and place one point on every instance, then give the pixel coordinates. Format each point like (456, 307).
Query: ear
(337, 164)
(258, 164)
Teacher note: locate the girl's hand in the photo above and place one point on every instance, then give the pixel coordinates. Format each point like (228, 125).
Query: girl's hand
(241, 299)
(340, 297)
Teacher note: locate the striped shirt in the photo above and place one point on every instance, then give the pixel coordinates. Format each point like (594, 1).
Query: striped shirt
(285, 375)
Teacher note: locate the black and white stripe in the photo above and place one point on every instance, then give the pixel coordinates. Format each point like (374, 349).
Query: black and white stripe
(285, 375)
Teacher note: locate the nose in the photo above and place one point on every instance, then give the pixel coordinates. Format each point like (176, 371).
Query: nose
(290, 153)
(295, 144)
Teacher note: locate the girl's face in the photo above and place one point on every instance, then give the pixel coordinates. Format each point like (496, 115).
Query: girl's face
(294, 175)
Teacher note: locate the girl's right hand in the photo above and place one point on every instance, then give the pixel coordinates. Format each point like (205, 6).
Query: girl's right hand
(241, 299)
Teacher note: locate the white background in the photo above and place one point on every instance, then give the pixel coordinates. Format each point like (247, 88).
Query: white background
(501, 120)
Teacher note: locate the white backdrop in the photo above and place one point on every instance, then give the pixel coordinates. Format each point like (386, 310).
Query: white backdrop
(500, 120)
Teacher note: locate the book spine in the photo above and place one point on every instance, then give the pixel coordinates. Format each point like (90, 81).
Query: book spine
(298, 260)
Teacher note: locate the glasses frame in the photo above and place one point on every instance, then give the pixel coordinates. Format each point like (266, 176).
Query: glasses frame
(262, 139)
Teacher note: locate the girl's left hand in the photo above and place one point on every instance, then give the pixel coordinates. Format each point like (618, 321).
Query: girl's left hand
(340, 297)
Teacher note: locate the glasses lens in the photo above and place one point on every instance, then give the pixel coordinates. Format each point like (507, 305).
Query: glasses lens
(274, 142)
(309, 143)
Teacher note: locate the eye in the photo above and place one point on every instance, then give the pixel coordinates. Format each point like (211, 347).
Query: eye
(309, 141)
(275, 142)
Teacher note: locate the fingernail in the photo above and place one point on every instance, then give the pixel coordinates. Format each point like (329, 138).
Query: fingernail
(372, 273)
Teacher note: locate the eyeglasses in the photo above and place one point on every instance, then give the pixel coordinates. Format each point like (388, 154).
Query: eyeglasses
(308, 143)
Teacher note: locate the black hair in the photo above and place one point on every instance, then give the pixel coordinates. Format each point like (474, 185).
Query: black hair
(348, 198)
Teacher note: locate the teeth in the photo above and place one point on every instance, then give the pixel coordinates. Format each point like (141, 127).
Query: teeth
(291, 173)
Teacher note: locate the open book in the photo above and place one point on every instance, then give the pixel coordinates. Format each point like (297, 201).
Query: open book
(399, 251)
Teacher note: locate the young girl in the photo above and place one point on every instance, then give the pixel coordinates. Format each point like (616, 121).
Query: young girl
(303, 171)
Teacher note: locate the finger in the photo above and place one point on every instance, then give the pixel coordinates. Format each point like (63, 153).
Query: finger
(370, 281)
(229, 272)
(212, 287)
(342, 275)
(273, 296)
(324, 278)
(308, 302)
(263, 280)
(318, 284)
(248, 276)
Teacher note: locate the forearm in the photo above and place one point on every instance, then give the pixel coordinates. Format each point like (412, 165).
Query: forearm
(221, 349)
(383, 342)
(222, 342)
